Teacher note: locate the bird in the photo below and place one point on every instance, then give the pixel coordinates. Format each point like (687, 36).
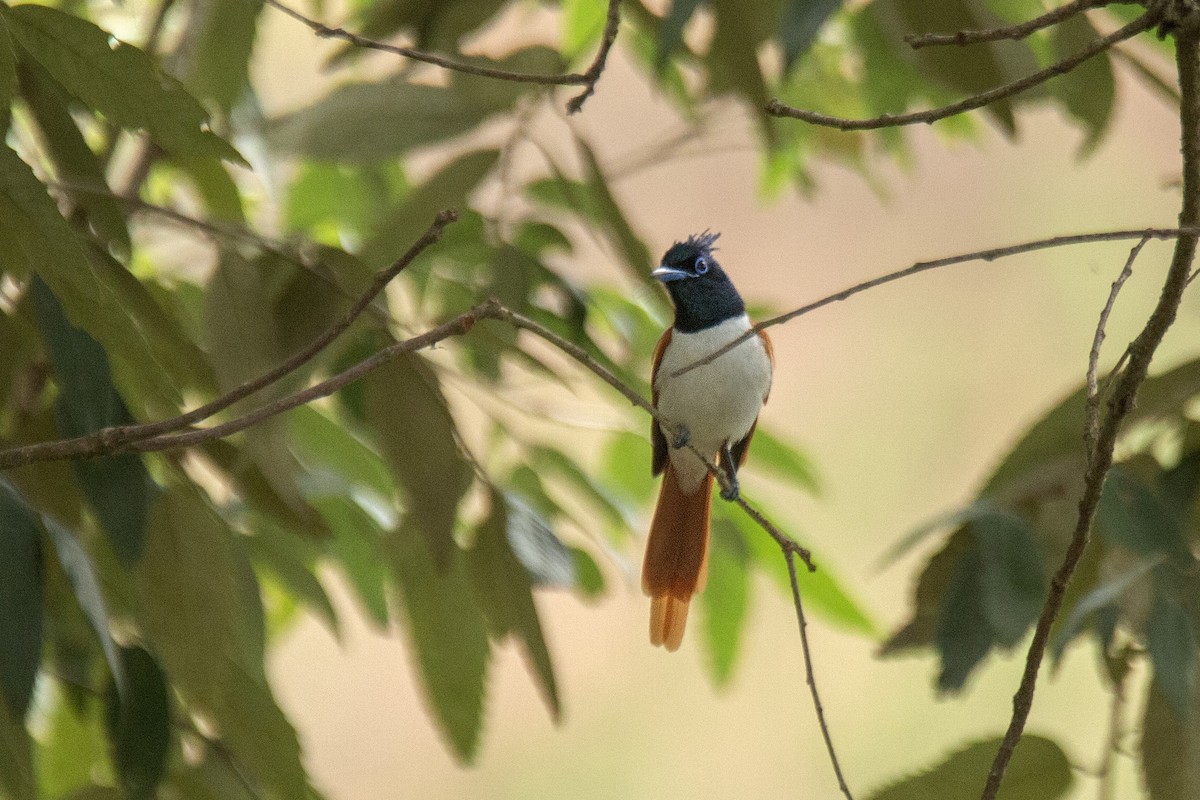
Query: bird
(710, 410)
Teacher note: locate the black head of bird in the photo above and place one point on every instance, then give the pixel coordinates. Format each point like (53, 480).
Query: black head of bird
(701, 291)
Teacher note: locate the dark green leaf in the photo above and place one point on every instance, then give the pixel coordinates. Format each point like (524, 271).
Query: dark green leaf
(1103, 596)
(8, 74)
(670, 33)
(589, 580)
(1088, 92)
(418, 438)
(504, 590)
(448, 633)
(118, 488)
(800, 24)
(356, 547)
(35, 238)
(20, 600)
(17, 779)
(725, 599)
(434, 25)
(1171, 642)
(1170, 747)
(121, 82)
(963, 635)
(733, 53)
(220, 38)
(1131, 514)
(1013, 581)
(632, 247)
(1039, 770)
(771, 453)
(74, 161)
(139, 724)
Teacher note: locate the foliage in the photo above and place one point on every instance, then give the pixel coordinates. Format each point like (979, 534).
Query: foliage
(441, 517)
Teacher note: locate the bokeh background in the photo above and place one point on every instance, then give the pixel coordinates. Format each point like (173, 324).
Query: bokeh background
(904, 397)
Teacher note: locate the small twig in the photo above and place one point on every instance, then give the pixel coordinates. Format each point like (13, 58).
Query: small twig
(1116, 729)
(923, 266)
(586, 79)
(810, 677)
(1143, 23)
(115, 439)
(918, 40)
(1125, 389)
(592, 75)
(1092, 408)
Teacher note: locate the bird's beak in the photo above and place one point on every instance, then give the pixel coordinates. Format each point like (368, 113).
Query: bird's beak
(667, 274)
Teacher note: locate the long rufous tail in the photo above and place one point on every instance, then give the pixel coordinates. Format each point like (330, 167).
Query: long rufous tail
(676, 564)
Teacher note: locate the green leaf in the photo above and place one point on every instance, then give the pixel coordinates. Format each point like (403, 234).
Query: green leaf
(589, 580)
(962, 633)
(733, 53)
(670, 32)
(35, 238)
(1171, 643)
(73, 750)
(549, 461)
(356, 546)
(220, 38)
(122, 82)
(1087, 92)
(725, 599)
(418, 438)
(1132, 514)
(291, 558)
(582, 24)
(770, 453)
(17, 779)
(118, 488)
(334, 453)
(333, 194)
(20, 600)
(435, 25)
(8, 74)
(139, 724)
(448, 633)
(548, 562)
(1170, 747)
(505, 593)
(1039, 770)
(74, 161)
(799, 25)
(1103, 596)
(1013, 581)
(626, 466)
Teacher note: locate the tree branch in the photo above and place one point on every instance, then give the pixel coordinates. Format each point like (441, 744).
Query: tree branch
(116, 439)
(918, 40)
(1143, 23)
(1127, 383)
(923, 266)
(1091, 425)
(586, 79)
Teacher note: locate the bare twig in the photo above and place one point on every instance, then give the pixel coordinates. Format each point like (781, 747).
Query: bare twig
(586, 79)
(918, 40)
(924, 266)
(1125, 389)
(810, 678)
(1091, 426)
(115, 439)
(1143, 23)
(1116, 728)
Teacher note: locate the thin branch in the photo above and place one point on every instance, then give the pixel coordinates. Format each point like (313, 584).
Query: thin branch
(923, 266)
(1143, 23)
(810, 678)
(115, 439)
(1092, 407)
(918, 40)
(593, 73)
(586, 79)
(1127, 383)
(1116, 727)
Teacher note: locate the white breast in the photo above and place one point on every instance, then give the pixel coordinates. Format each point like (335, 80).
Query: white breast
(718, 402)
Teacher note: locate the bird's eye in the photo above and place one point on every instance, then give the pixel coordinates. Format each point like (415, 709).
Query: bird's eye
(701, 265)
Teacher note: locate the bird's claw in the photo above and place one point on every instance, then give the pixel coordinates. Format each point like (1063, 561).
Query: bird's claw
(730, 493)
(682, 437)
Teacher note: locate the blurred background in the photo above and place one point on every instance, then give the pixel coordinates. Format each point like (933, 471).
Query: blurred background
(903, 397)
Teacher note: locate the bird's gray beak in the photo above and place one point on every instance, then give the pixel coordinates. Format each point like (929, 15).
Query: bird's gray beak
(667, 274)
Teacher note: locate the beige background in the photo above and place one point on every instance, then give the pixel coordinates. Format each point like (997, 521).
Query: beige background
(904, 397)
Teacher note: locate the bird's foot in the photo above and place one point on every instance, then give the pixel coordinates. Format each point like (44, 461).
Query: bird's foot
(682, 437)
(731, 491)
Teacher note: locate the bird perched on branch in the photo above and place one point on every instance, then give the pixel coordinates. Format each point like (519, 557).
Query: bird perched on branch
(711, 410)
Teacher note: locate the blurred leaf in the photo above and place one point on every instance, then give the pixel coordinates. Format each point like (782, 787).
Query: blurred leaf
(256, 490)
(1102, 596)
(35, 238)
(725, 599)
(435, 24)
(626, 467)
(1088, 92)
(733, 53)
(74, 161)
(292, 560)
(216, 187)
(217, 49)
(549, 461)
(546, 560)
(418, 438)
(8, 73)
(1132, 515)
(20, 600)
(582, 25)
(139, 724)
(800, 24)
(17, 779)
(770, 453)
(1170, 747)
(334, 194)
(1039, 770)
(121, 82)
(962, 634)
(670, 32)
(504, 591)
(448, 634)
(118, 488)
(589, 581)
(356, 547)
(73, 750)
(1171, 643)
(327, 448)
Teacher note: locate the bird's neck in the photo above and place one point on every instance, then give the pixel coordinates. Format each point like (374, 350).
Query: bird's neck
(698, 311)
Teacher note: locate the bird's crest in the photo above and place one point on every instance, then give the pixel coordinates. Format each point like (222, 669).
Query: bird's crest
(703, 241)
